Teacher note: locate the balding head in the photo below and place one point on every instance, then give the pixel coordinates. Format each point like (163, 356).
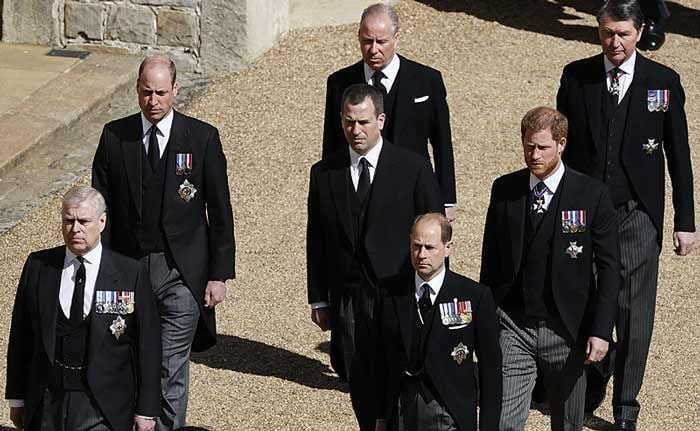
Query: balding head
(156, 87)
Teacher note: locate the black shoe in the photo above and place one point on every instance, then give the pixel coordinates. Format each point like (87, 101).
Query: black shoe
(625, 425)
(653, 36)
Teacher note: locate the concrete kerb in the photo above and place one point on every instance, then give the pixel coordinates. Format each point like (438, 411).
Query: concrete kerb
(60, 103)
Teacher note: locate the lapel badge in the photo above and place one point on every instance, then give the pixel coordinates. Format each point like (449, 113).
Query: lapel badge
(459, 353)
(573, 221)
(658, 100)
(574, 249)
(118, 327)
(183, 163)
(650, 145)
(187, 191)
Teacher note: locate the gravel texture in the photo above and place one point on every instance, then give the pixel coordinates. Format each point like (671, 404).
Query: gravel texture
(499, 59)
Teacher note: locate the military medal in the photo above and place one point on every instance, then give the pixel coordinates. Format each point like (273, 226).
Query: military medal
(574, 249)
(183, 163)
(650, 145)
(114, 302)
(456, 312)
(538, 202)
(658, 100)
(573, 221)
(459, 353)
(118, 327)
(187, 191)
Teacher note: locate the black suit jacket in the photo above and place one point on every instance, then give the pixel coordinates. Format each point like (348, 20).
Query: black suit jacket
(421, 114)
(455, 383)
(586, 305)
(580, 99)
(404, 186)
(123, 374)
(199, 233)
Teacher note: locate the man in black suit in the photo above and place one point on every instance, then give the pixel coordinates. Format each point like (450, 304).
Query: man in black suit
(164, 177)
(626, 112)
(362, 201)
(546, 228)
(415, 102)
(84, 348)
(431, 322)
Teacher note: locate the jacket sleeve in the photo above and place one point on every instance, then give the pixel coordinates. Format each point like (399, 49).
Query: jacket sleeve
(427, 191)
(332, 129)
(317, 287)
(149, 348)
(100, 178)
(490, 267)
(606, 256)
(486, 327)
(222, 246)
(21, 343)
(441, 141)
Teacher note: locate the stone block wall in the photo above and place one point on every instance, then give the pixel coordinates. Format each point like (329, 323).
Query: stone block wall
(202, 36)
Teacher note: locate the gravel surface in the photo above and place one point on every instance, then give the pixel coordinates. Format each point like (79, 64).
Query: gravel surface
(270, 369)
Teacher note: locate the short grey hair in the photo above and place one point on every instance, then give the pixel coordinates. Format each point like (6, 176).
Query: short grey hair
(79, 194)
(382, 9)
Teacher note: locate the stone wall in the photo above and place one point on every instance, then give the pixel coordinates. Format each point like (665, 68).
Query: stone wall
(206, 36)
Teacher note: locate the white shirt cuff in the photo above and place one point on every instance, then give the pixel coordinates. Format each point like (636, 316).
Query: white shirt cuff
(16, 403)
(317, 305)
(450, 205)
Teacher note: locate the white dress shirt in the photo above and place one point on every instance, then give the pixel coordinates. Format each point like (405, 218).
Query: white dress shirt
(163, 135)
(625, 79)
(372, 157)
(434, 284)
(551, 183)
(390, 71)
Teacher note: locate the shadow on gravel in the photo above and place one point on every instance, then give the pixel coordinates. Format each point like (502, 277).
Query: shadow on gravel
(253, 357)
(544, 16)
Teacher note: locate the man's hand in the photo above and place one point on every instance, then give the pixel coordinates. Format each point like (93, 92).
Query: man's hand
(380, 425)
(596, 349)
(17, 417)
(451, 213)
(143, 424)
(321, 318)
(215, 293)
(683, 242)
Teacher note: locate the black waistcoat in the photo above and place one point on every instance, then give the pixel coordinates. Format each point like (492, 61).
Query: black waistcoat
(612, 172)
(71, 350)
(390, 110)
(150, 232)
(358, 213)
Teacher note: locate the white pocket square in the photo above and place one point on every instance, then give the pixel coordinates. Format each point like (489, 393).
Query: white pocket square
(420, 99)
(457, 327)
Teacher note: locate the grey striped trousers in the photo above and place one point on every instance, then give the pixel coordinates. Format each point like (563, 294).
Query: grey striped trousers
(546, 347)
(639, 251)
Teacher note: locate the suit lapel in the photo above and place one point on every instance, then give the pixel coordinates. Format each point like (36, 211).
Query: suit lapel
(637, 101)
(383, 182)
(131, 151)
(404, 102)
(178, 143)
(593, 94)
(49, 286)
(565, 199)
(404, 306)
(107, 279)
(516, 212)
(339, 183)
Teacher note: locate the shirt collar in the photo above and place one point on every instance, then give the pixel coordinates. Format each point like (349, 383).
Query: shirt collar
(390, 70)
(552, 181)
(627, 66)
(93, 256)
(372, 155)
(164, 125)
(435, 283)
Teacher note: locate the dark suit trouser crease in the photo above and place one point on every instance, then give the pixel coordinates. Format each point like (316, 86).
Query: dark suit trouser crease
(179, 314)
(639, 251)
(69, 411)
(527, 349)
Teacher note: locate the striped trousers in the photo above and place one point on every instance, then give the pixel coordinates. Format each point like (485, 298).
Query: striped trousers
(639, 251)
(545, 346)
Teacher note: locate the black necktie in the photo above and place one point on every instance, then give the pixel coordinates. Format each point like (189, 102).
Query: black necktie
(424, 303)
(76, 303)
(153, 149)
(377, 81)
(615, 89)
(363, 183)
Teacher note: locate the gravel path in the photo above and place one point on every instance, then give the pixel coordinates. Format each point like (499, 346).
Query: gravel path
(270, 369)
